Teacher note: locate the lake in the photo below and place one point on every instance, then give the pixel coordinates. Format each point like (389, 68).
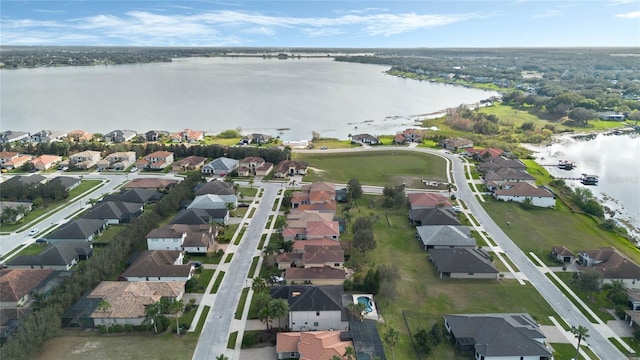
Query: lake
(616, 161)
(215, 94)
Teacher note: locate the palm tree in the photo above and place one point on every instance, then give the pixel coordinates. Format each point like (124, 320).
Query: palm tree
(357, 310)
(349, 353)
(251, 182)
(104, 307)
(581, 332)
(175, 307)
(152, 313)
(259, 285)
(278, 309)
(391, 338)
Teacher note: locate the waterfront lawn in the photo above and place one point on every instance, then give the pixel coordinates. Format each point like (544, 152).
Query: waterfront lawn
(333, 144)
(509, 116)
(538, 230)
(420, 290)
(391, 168)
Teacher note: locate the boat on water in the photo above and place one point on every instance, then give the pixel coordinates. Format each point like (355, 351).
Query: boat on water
(589, 179)
(566, 165)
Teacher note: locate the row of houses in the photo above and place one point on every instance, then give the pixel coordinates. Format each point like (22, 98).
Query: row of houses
(452, 249)
(118, 136)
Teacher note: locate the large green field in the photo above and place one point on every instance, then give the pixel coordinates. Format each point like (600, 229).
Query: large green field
(374, 168)
(422, 293)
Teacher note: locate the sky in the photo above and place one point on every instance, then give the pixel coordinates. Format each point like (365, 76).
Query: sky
(333, 24)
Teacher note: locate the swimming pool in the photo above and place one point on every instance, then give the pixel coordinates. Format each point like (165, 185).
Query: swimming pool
(367, 303)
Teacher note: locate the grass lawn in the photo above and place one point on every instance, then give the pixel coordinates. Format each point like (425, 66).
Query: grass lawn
(33, 249)
(515, 117)
(216, 284)
(241, 303)
(538, 230)
(203, 280)
(82, 345)
(108, 234)
(422, 292)
(564, 351)
(333, 144)
(403, 167)
(210, 258)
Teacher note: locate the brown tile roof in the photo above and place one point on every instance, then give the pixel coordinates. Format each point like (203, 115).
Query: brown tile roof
(150, 183)
(522, 189)
(321, 255)
(129, 298)
(418, 200)
(321, 345)
(314, 273)
(158, 154)
(288, 257)
(317, 229)
(615, 265)
(191, 160)
(16, 283)
(299, 245)
(562, 251)
(325, 206)
(8, 154)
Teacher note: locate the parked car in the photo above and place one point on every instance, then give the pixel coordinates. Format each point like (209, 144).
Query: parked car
(33, 232)
(196, 264)
(133, 169)
(41, 241)
(456, 208)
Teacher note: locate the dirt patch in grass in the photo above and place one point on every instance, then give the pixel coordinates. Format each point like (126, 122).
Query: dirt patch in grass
(90, 345)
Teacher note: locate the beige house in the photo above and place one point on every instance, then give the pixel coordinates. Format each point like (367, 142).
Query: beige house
(156, 160)
(17, 285)
(311, 345)
(11, 160)
(117, 161)
(45, 162)
(85, 159)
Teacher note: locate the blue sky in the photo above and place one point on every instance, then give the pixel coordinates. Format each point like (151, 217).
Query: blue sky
(338, 24)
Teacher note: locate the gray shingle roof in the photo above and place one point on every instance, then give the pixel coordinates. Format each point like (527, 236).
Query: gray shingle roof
(114, 210)
(499, 334)
(66, 181)
(435, 216)
(60, 253)
(78, 229)
(462, 260)
(310, 298)
(157, 263)
(445, 235)
(215, 187)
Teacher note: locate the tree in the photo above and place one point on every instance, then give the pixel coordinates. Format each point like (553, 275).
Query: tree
(616, 292)
(152, 314)
(363, 240)
(354, 189)
(104, 307)
(581, 115)
(391, 338)
(357, 309)
(349, 353)
(222, 357)
(175, 307)
(259, 285)
(581, 332)
(251, 181)
(278, 308)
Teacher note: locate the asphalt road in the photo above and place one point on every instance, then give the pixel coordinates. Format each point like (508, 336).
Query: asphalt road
(214, 336)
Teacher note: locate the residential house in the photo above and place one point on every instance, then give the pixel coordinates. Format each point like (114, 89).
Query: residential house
(29, 180)
(455, 144)
(612, 264)
(159, 265)
(155, 135)
(428, 200)
(315, 275)
(135, 195)
(300, 245)
(201, 216)
(634, 300)
(312, 345)
(210, 201)
(312, 256)
(195, 239)
(85, 159)
(365, 139)
(288, 168)
(158, 184)
(220, 166)
(129, 299)
(12, 211)
(225, 190)
(498, 336)
(45, 162)
(433, 216)
(157, 160)
(117, 161)
(486, 154)
(408, 136)
(189, 163)
(165, 238)
(10, 160)
(9, 136)
(501, 162)
(45, 136)
(115, 212)
(445, 236)
(254, 166)
(78, 230)
(524, 191)
(189, 135)
(256, 139)
(18, 285)
(561, 253)
(67, 182)
(313, 307)
(501, 177)
(611, 115)
(119, 136)
(79, 136)
(313, 230)
(463, 263)
(62, 255)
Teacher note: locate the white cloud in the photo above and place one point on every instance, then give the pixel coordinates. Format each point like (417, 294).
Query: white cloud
(631, 15)
(262, 30)
(621, 2)
(547, 14)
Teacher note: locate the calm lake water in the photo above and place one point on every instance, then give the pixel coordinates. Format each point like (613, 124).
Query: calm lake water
(614, 158)
(215, 94)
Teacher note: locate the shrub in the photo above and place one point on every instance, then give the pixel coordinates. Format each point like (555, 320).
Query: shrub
(249, 339)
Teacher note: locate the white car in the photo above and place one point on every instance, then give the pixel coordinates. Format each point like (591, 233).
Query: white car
(33, 232)
(457, 208)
